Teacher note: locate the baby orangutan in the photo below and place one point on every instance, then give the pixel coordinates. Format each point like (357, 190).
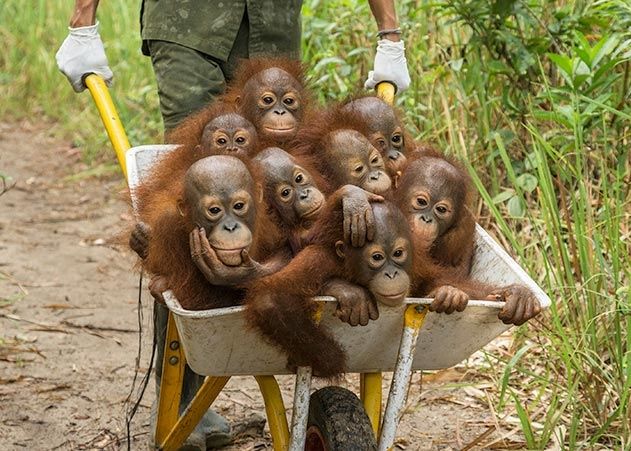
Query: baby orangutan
(291, 194)
(280, 305)
(229, 134)
(386, 131)
(217, 222)
(271, 94)
(337, 146)
(435, 196)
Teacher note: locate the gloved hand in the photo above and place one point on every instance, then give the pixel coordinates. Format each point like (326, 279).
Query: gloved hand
(390, 65)
(82, 53)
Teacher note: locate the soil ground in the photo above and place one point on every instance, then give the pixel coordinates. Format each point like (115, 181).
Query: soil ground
(69, 324)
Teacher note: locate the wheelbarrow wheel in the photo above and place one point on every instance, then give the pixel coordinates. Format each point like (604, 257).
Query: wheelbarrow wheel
(338, 422)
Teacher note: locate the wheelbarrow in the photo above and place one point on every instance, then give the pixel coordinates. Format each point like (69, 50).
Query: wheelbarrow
(403, 339)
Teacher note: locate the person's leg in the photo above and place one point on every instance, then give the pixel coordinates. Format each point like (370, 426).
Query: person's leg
(240, 49)
(187, 80)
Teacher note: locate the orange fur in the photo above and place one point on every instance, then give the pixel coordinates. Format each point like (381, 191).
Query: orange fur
(312, 139)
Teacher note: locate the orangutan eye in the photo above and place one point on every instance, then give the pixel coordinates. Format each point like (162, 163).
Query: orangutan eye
(239, 206)
(240, 140)
(299, 178)
(441, 209)
(214, 210)
(396, 139)
(222, 141)
(377, 257)
(268, 100)
(288, 101)
(359, 169)
(286, 192)
(398, 253)
(375, 160)
(421, 201)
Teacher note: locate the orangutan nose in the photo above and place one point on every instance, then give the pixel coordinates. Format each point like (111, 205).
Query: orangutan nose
(231, 227)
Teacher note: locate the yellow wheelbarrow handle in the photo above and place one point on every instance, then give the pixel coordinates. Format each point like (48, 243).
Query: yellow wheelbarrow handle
(109, 116)
(386, 91)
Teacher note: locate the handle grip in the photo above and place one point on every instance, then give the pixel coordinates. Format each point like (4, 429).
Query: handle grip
(110, 118)
(386, 91)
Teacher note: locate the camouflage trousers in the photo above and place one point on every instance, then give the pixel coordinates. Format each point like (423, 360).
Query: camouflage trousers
(189, 79)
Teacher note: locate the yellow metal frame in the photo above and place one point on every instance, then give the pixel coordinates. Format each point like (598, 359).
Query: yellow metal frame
(204, 397)
(109, 116)
(171, 428)
(415, 316)
(275, 411)
(171, 382)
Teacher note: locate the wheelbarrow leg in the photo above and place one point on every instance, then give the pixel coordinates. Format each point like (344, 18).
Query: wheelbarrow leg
(370, 393)
(275, 410)
(194, 412)
(171, 382)
(301, 409)
(171, 431)
(414, 317)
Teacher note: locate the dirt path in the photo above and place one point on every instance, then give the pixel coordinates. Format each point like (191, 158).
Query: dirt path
(68, 323)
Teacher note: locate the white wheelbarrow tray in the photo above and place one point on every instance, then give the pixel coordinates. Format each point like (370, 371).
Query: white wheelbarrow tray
(217, 342)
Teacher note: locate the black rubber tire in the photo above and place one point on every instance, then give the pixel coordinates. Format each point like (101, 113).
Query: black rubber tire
(338, 422)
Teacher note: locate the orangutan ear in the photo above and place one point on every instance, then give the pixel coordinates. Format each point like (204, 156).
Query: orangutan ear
(261, 191)
(181, 207)
(340, 249)
(396, 179)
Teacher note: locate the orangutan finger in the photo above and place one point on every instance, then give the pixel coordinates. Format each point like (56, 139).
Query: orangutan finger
(373, 310)
(354, 231)
(193, 243)
(519, 316)
(508, 311)
(246, 260)
(370, 224)
(450, 303)
(355, 312)
(363, 314)
(342, 314)
(537, 308)
(462, 302)
(438, 304)
(372, 197)
(361, 230)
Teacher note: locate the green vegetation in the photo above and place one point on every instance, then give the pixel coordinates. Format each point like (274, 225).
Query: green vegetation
(533, 96)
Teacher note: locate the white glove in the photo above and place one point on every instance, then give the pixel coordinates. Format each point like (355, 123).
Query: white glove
(390, 65)
(82, 53)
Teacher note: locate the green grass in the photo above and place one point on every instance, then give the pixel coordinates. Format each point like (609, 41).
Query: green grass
(533, 96)
(32, 87)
